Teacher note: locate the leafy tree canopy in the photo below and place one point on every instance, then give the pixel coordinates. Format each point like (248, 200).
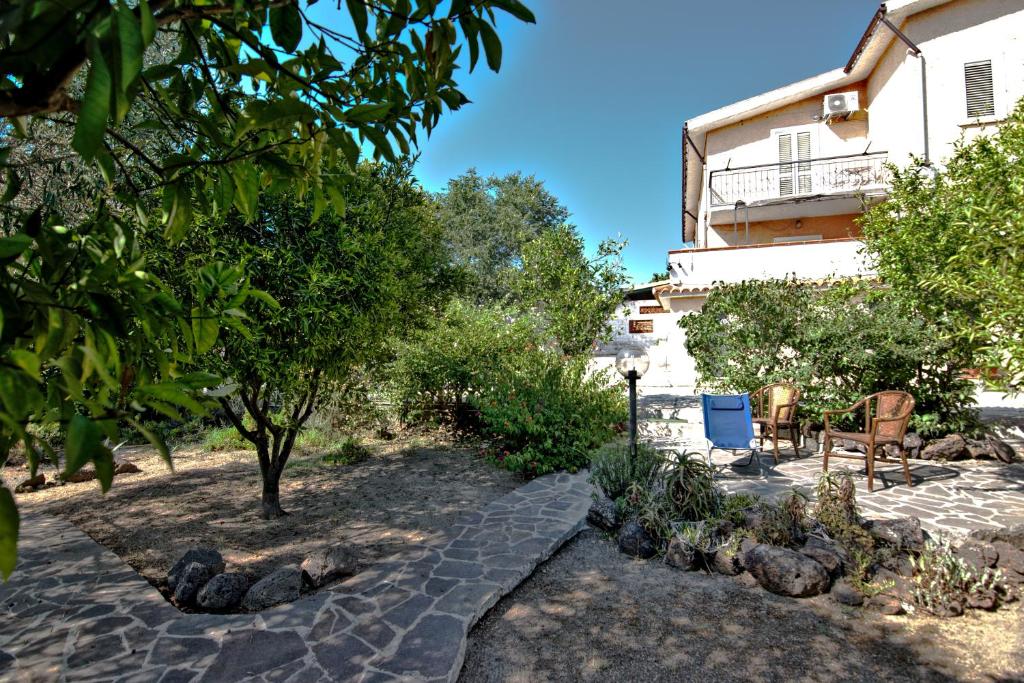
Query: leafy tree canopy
(488, 221)
(338, 288)
(239, 101)
(952, 242)
(837, 344)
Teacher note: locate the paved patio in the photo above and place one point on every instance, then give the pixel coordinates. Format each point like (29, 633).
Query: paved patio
(74, 611)
(949, 498)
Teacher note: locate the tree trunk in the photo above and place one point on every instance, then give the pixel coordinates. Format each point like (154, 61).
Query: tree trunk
(271, 499)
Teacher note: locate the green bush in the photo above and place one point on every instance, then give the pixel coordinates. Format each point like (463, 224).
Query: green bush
(439, 370)
(549, 413)
(226, 439)
(691, 490)
(945, 585)
(613, 468)
(837, 345)
(348, 452)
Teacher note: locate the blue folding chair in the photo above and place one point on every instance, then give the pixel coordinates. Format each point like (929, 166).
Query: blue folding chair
(727, 423)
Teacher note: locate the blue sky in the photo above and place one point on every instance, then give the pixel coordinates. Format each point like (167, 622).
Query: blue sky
(591, 100)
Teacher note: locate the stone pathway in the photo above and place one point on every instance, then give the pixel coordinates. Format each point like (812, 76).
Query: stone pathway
(949, 498)
(74, 611)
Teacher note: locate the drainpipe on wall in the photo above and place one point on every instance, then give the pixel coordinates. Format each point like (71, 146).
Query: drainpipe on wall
(916, 51)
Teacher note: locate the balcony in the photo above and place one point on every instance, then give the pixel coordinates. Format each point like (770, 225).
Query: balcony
(815, 187)
(693, 271)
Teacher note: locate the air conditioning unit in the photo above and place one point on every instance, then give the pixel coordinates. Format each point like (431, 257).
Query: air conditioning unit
(841, 104)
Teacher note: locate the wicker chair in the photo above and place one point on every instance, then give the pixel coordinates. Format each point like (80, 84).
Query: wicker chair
(886, 416)
(774, 408)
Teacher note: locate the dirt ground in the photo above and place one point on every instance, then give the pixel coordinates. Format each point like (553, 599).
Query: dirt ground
(593, 614)
(408, 490)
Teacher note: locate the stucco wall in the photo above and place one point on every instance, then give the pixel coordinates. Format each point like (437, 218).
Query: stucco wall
(949, 35)
(666, 345)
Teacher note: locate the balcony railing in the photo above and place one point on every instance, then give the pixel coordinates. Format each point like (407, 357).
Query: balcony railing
(828, 175)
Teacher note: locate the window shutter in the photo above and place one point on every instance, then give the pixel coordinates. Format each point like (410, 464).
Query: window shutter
(803, 153)
(980, 94)
(785, 169)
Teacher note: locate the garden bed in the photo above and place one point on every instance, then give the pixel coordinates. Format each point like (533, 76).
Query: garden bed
(592, 613)
(408, 490)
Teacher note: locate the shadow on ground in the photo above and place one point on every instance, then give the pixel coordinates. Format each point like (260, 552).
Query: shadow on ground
(376, 506)
(593, 614)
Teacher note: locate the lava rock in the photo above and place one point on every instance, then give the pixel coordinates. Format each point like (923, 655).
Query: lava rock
(682, 555)
(634, 540)
(884, 603)
(207, 557)
(952, 447)
(1011, 561)
(977, 554)
(603, 514)
(726, 562)
(912, 444)
(786, 572)
(902, 533)
(845, 594)
(1001, 450)
(284, 585)
(746, 543)
(79, 477)
(826, 557)
(126, 467)
(193, 577)
(328, 564)
(1013, 535)
(223, 592)
(31, 484)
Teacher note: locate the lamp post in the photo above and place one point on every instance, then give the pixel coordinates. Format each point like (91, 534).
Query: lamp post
(632, 363)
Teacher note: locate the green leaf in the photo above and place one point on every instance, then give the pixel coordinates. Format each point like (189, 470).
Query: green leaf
(147, 26)
(95, 109)
(82, 443)
(15, 245)
(365, 113)
(286, 26)
(516, 9)
(205, 329)
(27, 361)
(104, 463)
(9, 523)
(246, 189)
(357, 9)
(179, 211)
(379, 141)
(492, 45)
(130, 42)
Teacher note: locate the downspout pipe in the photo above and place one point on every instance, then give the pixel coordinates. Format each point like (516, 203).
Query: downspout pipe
(916, 51)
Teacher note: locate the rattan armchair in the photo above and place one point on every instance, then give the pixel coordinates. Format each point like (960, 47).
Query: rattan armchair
(774, 408)
(886, 416)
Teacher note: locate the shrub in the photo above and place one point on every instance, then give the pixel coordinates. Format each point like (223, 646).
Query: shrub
(945, 585)
(613, 468)
(348, 452)
(439, 370)
(691, 490)
(782, 522)
(226, 439)
(837, 345)
(735, 505)
(547, 413)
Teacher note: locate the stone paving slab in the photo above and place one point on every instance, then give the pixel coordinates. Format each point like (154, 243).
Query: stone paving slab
(950, 498)
(74, 611)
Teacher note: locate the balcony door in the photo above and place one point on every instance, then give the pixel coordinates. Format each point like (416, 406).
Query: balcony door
(795, 153)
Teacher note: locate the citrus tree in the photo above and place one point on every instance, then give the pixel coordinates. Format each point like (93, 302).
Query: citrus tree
(270, 97)
(952, 242)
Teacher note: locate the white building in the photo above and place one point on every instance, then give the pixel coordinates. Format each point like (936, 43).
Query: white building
(773, 184)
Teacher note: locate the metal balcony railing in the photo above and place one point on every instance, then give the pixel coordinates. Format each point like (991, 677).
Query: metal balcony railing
(824, 176)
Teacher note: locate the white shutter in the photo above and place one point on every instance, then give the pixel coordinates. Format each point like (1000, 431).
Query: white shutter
(803, 153)
(980, 93)
(785, 167)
